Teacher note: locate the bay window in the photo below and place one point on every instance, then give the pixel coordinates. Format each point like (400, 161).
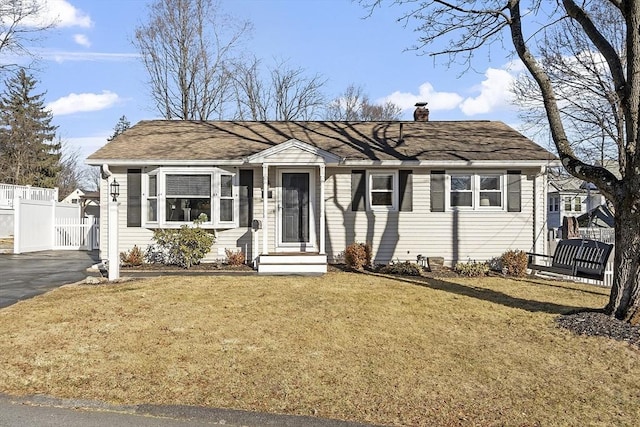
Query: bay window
(176, 196)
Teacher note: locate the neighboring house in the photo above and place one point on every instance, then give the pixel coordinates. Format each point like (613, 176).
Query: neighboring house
(572, 197)
(293, 195)
(89, 201)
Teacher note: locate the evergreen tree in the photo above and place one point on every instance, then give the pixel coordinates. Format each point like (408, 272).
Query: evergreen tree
(29, 153)
(122, 125)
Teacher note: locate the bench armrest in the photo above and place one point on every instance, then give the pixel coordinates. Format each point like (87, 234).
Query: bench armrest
(531, 254)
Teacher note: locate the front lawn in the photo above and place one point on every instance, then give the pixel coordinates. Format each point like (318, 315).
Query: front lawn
(349, 346)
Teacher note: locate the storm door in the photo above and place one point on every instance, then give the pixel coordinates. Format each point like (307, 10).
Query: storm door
(295, 220)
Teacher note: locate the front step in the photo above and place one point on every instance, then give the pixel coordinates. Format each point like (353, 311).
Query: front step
(292, 264)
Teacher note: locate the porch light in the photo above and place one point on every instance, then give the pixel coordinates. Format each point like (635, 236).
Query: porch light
(114, 190)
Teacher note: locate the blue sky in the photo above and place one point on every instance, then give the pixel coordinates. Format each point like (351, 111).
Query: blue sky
(92, 75)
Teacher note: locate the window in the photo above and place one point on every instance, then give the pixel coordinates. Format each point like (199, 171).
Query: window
(567, 204)
(134, 199)
(152, 199)
(461, 193)
(578, 204)
(381, 189)
(476, 191)
(188, 196)
(175, 196)
(490, 191)
(554, 204)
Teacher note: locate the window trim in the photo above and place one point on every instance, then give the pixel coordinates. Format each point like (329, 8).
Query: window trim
(476, 176)
(215, 195)
(394, 207)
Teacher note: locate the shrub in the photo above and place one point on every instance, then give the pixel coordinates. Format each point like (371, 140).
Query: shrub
(471, 269)
(234, 258)
(184, 246)
(514, 263)
(358, 255)
(403, 268)
(131, 258)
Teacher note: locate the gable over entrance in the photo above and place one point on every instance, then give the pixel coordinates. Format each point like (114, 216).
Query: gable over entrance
(294, 152)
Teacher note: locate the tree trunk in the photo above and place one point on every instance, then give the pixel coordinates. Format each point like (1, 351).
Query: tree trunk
(624, 302)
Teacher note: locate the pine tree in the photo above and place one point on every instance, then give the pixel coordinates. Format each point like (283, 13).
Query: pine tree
(29, 153)
(122, 125)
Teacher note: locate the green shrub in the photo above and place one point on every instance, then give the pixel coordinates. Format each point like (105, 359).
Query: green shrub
(514, 263)
(132, 258)
(472, 269)
(234, 258)
(184, 246)
(402, 268)
(358, 255)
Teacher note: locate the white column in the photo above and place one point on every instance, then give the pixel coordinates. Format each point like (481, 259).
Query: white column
(112, 252)
(322, 217)
(265, 205)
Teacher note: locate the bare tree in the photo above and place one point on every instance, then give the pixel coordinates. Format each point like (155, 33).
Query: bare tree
(354, 105)
(588, 102)
(186, 46)
(472, 25)
(285, 94)
(21, 24)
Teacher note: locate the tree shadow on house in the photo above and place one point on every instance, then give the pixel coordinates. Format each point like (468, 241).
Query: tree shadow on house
(488, 295)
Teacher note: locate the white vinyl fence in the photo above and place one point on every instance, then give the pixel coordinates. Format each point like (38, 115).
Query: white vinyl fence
(8, 193)
(76, 233)
(47, 225)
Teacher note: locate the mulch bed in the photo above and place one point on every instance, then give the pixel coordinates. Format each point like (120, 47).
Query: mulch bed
(209, 266)
(596, 323)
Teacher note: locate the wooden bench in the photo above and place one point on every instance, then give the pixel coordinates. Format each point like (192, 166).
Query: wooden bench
(575, 257)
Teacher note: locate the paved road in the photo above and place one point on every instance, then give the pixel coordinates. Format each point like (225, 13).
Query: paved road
(42, 411)
(26, 275)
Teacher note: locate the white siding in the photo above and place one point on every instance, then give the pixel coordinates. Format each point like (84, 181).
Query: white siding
(455, 235)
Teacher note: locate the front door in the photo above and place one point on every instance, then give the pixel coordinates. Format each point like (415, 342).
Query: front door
(296, 211)
(295, 207)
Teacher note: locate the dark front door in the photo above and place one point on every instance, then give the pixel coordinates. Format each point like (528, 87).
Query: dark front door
(295, 207)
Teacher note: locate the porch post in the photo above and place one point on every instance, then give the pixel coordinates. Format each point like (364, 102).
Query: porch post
(265, 205)
(322, 218)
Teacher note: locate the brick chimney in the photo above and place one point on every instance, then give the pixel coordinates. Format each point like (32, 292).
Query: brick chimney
(421, 114)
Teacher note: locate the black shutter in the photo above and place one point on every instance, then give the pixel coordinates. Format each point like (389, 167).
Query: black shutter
(246, 197)
(437, 191)
(514, 179)
(358, 190)
(134, 197)
(406, 190)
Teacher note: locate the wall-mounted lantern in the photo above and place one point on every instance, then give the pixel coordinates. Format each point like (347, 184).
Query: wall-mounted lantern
(114, 190)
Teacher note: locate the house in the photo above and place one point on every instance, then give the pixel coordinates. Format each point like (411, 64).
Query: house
(293, 195)
(89, 201)
(571, 197)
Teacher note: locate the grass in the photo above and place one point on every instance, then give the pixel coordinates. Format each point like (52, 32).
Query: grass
(348, 346)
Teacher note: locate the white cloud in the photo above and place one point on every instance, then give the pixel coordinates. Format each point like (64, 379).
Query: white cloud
(82, 40)
(82, 102)
(64, 56)
(426, 93)
(495, 93)
(61, 13)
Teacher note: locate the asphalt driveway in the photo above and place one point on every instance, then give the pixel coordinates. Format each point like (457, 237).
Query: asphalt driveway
(27, 275)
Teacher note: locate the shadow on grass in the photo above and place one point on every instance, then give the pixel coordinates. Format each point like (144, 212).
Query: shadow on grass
(488, 295)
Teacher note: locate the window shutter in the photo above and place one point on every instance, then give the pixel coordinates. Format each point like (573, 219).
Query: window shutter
(406, 190)
(246, 197)
(358, 190)
(514, 180)
(437, 191)
(134, 198)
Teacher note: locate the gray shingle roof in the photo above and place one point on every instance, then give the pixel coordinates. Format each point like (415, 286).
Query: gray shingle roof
(173, 140)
